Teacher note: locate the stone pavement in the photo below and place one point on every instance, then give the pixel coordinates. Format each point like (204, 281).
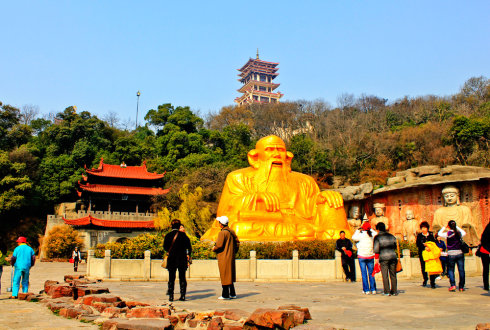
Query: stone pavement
(336, 304)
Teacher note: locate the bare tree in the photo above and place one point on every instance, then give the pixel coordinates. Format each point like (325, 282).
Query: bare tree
(28, 113)
(112, 118)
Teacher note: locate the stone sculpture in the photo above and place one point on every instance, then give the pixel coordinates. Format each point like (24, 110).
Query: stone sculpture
(379, 211)
(269, 202)
(354, 220)
(410, 227)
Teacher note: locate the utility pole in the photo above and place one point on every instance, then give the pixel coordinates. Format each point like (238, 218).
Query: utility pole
(137, 106)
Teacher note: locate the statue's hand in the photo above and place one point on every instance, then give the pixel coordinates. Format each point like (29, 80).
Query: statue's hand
(331, 198)
(270, 200)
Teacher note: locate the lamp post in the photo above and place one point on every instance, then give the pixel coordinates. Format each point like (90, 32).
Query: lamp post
(137, 106)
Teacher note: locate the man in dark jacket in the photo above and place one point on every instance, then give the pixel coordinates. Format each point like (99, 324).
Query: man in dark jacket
(385, 251)
(179, 249)
(344, 245)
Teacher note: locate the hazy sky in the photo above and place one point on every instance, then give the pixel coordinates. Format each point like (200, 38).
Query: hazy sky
(98, 54)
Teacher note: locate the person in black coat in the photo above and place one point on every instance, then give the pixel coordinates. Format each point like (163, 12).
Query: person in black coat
(422, 238)
(179, 249)
(385, 253)
(344, 245)
(484, 254)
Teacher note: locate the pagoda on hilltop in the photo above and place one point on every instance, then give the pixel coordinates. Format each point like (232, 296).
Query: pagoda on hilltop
(115, 203)
(257, 76)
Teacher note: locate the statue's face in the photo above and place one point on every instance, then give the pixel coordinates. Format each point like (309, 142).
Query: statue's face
(354, 212)
(378, 211)
(451, 198)
(410, 215)
(273, 151)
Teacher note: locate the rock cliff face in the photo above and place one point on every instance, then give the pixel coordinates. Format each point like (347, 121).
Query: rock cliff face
(418, 176)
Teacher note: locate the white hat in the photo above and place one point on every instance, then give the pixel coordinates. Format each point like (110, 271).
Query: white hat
(223, 220)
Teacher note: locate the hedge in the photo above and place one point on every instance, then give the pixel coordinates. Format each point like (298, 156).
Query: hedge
(134, 248)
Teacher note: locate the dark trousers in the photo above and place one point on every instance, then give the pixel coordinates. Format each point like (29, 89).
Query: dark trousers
(388, 272)
(485, 260)
(228, 291)
(1, 271)
(75, 263)
(425, 275)
(444, 265)
(349, 268)
(171, 278)
(452, 261)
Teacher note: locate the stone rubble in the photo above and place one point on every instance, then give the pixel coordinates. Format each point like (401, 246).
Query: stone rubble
(95, 304)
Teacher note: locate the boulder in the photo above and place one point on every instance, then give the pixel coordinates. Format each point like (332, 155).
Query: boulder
(270, 319)
(101, 306)
(305, 310)
(233, 326)
(216, 323)
(112, 311)
(87, 290)
(24, 296)
(183, 316)
(72, 312)
(204, 316)
(88, 317)
(235, 314)
(395, 180)
(138, 324)
(426, 170)
(70, 278)
(483, 326)
(132, 304)
(60, 290)
(148, 312)
(103, 297)
(48, 284)
(55, 307)
(192, 323)
(174, 320)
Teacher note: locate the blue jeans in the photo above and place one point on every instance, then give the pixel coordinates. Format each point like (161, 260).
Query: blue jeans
(452, 261)
(18, 274)
(367, 267)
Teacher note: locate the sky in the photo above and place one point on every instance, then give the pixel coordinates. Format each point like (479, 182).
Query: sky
(96, 55)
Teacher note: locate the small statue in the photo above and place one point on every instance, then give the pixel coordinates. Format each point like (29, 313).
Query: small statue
(354, 218)
(410, 227)
(379, 211)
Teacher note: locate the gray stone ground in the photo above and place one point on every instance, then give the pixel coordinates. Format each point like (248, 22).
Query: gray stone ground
(336, 304)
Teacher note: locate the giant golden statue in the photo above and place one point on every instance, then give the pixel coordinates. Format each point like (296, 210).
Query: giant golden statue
(269, 202)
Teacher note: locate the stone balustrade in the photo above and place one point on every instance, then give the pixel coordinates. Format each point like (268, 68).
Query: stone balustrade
(251, 269)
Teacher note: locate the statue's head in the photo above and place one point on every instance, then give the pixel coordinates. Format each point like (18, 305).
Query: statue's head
(451, 195)
(409, 214)
(379, 209)
(270, 153)
(354, 212)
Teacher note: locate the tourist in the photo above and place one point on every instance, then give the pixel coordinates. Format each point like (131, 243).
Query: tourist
(179, 249)
(226, 247)
(22, 259)
(422, 238)
(77, 257)
(344, 245)
(484, 253)
(443, 258)
(455, 255)
(385, 246)
(364, 237)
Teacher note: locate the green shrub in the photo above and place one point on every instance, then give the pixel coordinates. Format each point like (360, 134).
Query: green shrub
(61, 242)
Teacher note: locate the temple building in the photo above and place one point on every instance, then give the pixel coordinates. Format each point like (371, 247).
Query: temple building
(257, 76)
(115, 203)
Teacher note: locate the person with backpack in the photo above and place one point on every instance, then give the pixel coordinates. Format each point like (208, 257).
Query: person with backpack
(226, 247)
(455, 256)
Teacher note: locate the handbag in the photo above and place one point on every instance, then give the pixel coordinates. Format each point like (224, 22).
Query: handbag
(464, 247)
(72, 260)
(399, 267)
(164, 262)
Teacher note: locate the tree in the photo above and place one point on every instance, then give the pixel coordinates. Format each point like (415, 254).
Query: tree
(194, 214)
(28, 113)
(61, 241)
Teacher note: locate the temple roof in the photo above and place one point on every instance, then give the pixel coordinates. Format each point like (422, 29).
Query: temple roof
(90, 220)
(123, 171)
(258, 62)
(126, 190)
(251, 83)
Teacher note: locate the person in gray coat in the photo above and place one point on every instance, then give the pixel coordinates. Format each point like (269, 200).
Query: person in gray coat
(385, 254)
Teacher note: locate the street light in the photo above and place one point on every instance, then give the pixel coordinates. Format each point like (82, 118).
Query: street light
(137, 106)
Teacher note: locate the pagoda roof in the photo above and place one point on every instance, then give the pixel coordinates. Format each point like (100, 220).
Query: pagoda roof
(249, 85)
(90, 220)
(123, 171)
(126, 190)
(257, 62)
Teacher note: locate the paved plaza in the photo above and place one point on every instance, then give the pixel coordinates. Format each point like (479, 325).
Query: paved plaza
(336, 304)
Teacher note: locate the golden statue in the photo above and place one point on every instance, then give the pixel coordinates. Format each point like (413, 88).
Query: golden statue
(269, 202)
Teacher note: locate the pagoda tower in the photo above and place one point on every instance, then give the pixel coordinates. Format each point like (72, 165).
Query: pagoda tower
(257, 76)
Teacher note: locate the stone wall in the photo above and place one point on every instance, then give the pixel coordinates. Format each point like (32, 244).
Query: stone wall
(251, 269)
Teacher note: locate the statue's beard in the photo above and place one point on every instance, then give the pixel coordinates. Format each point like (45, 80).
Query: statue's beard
(271, 173)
